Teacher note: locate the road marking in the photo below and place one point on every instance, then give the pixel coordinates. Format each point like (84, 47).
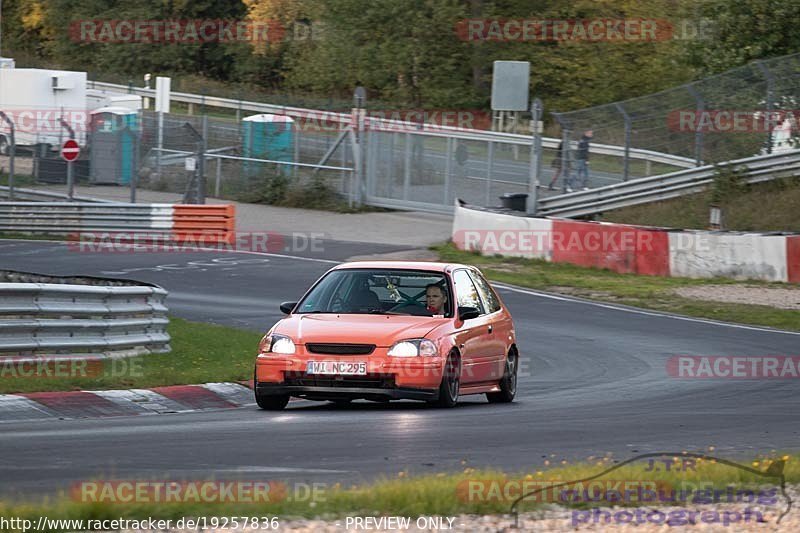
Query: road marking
(513, 288)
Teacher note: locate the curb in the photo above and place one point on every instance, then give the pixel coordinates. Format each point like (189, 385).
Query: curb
(106, 403)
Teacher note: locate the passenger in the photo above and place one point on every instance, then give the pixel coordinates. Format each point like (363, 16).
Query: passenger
(435, 299)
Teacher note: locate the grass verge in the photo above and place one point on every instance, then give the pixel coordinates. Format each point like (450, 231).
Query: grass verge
(468, 492)
(649, 292)
(201, 353)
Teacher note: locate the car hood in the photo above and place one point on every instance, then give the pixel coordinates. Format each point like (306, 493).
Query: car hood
(380, 330)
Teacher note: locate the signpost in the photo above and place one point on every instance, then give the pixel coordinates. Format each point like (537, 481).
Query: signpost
(69, 153)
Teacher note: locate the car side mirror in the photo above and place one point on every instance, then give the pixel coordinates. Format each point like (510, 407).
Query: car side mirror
(286, 307)
(465, 313)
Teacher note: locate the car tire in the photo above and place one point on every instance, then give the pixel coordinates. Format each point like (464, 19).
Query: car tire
(342, 401)
(269, 402)
(272, 402)
(4, 146)
(508, 385)
(451, 382)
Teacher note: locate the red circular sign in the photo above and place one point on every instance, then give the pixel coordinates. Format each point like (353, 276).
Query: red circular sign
(70, 150)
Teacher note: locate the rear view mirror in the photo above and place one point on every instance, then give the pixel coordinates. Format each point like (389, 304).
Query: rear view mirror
(287, 307)
(466, 313)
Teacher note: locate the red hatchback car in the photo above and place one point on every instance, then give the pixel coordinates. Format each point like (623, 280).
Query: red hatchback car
(390, 330)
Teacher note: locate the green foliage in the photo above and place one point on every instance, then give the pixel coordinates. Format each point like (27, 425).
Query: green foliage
(728, 182)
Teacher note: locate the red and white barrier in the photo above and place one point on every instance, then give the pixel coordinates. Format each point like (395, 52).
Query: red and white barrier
(630, 249)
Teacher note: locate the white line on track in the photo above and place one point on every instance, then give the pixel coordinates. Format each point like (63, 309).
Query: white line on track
(635, 311)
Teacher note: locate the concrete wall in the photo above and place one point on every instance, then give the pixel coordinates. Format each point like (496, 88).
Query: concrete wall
(630, 249)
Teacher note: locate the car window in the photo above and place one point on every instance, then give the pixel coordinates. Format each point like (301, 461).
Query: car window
(490, 299)
(363, 291)
(466, 293)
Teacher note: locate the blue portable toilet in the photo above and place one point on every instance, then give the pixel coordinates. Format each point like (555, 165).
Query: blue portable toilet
(114, 143)
(267, 136)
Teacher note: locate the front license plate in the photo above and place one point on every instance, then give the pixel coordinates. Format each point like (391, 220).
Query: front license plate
(336, 368)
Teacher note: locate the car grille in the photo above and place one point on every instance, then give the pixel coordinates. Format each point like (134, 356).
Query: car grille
(370, 381)
(340, 349)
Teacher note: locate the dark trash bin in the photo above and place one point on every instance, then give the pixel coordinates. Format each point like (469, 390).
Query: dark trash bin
(514, 201)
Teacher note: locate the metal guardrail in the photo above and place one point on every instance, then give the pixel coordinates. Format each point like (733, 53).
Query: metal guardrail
(65, 217)
(64, 320)
(397, 125)
(35, 195)
(666, 186)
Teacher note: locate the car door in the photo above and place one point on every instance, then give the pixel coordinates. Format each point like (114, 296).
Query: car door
(500, 325)
(473, 336)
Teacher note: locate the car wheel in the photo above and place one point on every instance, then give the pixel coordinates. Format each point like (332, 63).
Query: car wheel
(451, 382)
(4, 150)
(271, 402)
(508, 385)
(342, 401)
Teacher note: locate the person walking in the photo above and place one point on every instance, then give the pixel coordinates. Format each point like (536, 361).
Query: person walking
(582, 159)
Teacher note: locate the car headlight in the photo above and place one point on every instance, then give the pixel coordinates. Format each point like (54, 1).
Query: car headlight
(277, 344)
(413, 348)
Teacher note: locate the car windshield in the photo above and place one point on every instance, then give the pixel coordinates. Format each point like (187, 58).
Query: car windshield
(369, 291)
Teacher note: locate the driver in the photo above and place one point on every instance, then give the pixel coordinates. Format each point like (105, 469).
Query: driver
(435, 299)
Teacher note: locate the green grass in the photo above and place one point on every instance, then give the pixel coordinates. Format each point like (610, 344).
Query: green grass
(770, 206)
(434, 494)
(649, 292)
(201, 353)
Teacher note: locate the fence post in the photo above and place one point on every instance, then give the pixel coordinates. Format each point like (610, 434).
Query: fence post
(536, 157)
(448, 167)
(201, 163)
(770, 103)
(489, 170)
(12, 151)
(407, 168)
(626, 157)
(698, 136)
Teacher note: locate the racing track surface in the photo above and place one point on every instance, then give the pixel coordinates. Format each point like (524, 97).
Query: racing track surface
(598, 384)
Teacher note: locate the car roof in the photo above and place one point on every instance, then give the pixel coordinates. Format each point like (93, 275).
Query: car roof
(402, 265)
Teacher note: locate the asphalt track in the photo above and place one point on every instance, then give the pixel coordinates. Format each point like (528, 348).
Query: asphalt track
(593, 381)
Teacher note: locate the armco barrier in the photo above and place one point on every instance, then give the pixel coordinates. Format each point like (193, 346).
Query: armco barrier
(630, 249)
(65, 320)
(209, 223)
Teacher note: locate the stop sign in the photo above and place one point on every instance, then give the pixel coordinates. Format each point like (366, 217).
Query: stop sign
(70, 150)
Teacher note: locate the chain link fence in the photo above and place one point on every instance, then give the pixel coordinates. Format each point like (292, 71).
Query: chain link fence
(739, 113)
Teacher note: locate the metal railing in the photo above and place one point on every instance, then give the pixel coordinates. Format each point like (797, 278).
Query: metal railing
(43, 196)
(65, 217)
(664, 187)
(65, 320)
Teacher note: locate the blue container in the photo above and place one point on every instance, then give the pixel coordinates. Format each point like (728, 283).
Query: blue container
(267, 136)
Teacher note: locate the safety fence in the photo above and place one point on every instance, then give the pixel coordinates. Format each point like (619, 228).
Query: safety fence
(657, 188)
(66, 320)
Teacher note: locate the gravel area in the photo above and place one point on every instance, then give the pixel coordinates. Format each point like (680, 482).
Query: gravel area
(779, 297)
